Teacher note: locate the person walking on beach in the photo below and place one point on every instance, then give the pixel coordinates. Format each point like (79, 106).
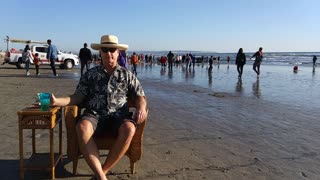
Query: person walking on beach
(163, 61)
(188, 60)
(27, 57)
(314, 60)
(256, 65)
(52, 56)
(193, 59)
(134, 62)
(210, 63)
(103, 90)
(240, 62)
(170, 56)
(37, 62)
(85, 56)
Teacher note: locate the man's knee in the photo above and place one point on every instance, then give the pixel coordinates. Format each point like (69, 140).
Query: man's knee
(127, 129)
(84, 127)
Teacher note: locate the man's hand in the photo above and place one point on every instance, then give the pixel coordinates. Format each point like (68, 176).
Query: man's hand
(141, 106)
(53, 100)
(141, 115)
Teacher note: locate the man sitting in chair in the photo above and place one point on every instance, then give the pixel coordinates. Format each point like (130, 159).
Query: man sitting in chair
(103, 90)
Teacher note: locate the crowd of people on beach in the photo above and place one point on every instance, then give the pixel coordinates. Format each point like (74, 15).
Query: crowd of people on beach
(190, 60)
(89, 60)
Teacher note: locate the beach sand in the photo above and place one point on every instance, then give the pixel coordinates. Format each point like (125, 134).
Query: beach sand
(193, 132)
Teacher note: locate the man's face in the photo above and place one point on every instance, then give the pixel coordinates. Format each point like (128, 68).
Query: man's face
(109, 56)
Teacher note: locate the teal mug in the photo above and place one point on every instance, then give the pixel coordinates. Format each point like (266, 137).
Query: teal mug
(44, 99)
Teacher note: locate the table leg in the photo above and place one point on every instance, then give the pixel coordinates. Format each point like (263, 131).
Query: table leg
(60, 134)
(60, 141)
(52, 154)
(21, 152)
(33, 141)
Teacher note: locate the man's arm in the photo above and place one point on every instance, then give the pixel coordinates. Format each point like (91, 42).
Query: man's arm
(80, 54)
(49, 51)
(90, 55)
(67, 101)
(141, 106)
(254, 55)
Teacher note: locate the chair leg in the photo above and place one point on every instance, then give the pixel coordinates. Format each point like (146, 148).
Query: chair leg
(75, 165)
(133, 167)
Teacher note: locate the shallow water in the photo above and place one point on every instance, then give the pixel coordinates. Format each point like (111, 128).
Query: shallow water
(275, 84)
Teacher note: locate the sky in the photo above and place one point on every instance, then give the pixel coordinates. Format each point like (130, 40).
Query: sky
(160, 25)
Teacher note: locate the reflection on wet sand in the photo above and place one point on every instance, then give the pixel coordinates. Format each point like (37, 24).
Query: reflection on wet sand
(163, 71)
(313, 70)
(170, 73)
(239, 86)
(256, 89)
(190, 73)
(210, 76)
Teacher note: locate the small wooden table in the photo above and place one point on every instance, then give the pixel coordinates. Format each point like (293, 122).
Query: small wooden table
(33, 118)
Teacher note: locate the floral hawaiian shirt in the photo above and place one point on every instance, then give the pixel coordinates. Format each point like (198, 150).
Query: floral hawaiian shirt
(108, 94)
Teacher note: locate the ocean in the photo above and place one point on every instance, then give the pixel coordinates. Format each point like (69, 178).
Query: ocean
(276, 84)
(277, 58)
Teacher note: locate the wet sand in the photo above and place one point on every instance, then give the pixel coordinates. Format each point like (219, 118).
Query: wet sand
(217, 131)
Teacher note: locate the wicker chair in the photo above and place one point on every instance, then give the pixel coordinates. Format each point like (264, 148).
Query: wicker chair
(104, 141)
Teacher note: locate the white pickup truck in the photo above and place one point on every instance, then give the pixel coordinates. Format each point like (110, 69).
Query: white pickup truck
(14, 56)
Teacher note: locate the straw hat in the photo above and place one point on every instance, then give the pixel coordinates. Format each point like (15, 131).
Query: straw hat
(109, 41)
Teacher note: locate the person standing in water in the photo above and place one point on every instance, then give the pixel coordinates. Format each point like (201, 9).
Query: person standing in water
(240, 62)
(257, 62)
(314, 60)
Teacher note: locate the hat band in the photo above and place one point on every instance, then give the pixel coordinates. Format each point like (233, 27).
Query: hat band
(108, 43)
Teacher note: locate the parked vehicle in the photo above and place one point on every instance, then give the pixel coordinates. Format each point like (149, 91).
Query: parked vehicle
(14, 56)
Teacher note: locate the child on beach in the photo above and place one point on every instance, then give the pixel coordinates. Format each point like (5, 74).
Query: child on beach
(37, 62)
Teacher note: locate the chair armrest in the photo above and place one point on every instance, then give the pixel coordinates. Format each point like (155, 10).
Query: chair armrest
(70, 115)
(135, 149)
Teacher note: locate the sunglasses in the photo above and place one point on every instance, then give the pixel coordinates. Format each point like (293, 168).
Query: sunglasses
(111, 50)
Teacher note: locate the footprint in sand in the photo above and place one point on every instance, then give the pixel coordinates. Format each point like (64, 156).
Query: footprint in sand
(303, 174)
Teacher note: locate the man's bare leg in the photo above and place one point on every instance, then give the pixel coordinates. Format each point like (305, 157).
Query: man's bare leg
(120, 147)
(89, 148)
